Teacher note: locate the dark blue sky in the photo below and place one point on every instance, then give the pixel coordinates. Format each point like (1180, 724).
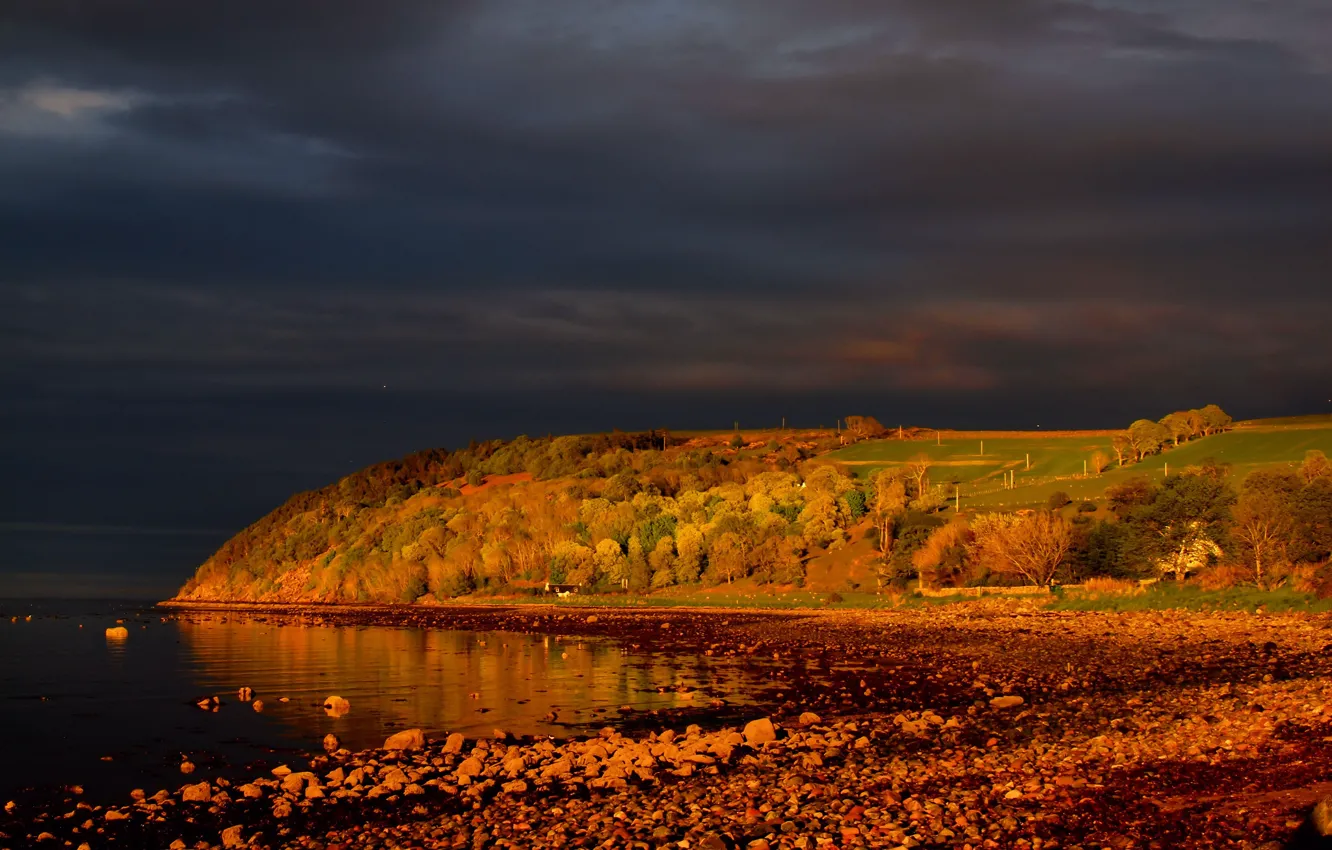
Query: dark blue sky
(248, 246)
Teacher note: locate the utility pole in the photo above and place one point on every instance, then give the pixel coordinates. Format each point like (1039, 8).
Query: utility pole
(938, 437)
(982, 448)
(1029, 461)
(1167, 469)
(957, 498)
(783, 423)
(1084, 469)
(899, 432)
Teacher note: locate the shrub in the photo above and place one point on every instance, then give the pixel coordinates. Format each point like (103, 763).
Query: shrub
(1057, 500)
(456, 584)
(737, 442)
(1224, 577)
(1320, 581)
(833, 598)
(1087, 507)
(475, 478)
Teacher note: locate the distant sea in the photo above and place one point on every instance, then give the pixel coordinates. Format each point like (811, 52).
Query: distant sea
(111, 715)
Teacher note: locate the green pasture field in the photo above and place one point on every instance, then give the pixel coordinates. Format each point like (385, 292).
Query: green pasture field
(1056, 461)
(961, 461)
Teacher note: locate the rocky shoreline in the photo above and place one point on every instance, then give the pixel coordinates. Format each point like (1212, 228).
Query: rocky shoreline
(981, 726)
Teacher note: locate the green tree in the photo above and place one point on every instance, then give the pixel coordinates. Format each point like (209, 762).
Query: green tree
(689, 554)
(819, 519)
(888, 505)
(611, 562)
(1214, 419)
(788, 565)
(1177, 426)
(1146, 437)
(640, 574)
(1186, 512)
(726, 557)
(854, 500)
(864, 427)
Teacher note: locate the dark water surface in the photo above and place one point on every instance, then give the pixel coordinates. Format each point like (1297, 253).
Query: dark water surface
(111, 715)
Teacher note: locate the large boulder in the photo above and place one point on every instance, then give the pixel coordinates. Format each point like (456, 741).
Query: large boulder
(759, 731)
(294, 783)
(200, 793)
(470, 767)
(336, 706)
(407, 739)
(454, 743)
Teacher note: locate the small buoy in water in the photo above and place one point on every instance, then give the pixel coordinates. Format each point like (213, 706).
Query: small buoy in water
(117, 633)
(257, 705)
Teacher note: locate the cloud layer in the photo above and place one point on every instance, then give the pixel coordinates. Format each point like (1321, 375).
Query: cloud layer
(630, 210)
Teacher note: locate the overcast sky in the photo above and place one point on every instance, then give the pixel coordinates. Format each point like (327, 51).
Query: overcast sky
(248, 246)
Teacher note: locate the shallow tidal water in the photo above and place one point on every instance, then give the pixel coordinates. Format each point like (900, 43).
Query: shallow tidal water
(111, 715)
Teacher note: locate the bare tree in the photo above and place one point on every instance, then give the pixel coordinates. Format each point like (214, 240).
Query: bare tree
(1262, 524)
(1120, 444)
(1099, 461)
(890, 501)
(1033, 546)
(918, 469)
(1315, 466)
(864, 427)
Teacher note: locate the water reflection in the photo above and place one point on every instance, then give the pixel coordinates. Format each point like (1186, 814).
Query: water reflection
(441, 681)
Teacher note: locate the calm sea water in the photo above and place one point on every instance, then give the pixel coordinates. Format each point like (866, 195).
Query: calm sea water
(111, 715)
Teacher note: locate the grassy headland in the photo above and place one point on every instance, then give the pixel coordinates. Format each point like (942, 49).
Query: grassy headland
(789, 518)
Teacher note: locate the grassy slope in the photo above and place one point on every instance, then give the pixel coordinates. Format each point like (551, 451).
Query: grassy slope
(1056, 461)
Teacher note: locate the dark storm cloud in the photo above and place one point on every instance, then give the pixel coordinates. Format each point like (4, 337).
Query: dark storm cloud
(236, 238)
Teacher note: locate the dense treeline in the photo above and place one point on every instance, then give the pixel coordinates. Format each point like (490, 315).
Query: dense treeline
(1145, 437)
(1276, 526)
(631, 511)
(647, 511)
